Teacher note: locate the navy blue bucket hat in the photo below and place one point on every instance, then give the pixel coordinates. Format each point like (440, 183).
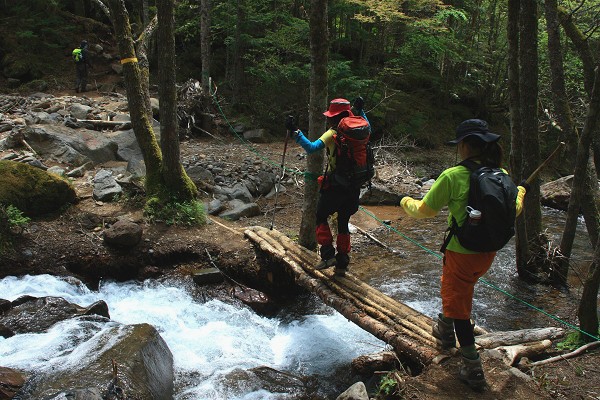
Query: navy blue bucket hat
(474, 127)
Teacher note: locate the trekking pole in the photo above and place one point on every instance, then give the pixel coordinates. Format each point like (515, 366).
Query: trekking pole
(288, 122)
(546, 161)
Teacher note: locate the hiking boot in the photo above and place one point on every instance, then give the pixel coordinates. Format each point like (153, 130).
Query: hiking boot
(324, 264)
(341, 266)
(327, 257)
(444, 332)
(471, 373)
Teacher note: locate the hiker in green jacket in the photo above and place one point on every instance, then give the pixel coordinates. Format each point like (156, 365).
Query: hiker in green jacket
(82, 65)
(461, 267)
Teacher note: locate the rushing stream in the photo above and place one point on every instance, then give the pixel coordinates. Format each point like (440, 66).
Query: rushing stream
(213, 342)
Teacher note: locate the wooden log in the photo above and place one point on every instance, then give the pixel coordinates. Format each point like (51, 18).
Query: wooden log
(369, 363)
(351, 297)
(402, 345)
(512, 354)
(508, 338)
(102, 124)
(561, 357)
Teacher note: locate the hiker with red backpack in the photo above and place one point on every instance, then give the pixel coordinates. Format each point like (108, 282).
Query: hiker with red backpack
(482, 202)
(349, 166)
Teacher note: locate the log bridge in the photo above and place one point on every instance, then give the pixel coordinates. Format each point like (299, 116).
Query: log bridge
(405, 329)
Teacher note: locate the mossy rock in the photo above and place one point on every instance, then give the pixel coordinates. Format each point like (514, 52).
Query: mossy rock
(33, 190)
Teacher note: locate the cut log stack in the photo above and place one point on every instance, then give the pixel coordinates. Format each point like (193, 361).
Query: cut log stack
(405, 329)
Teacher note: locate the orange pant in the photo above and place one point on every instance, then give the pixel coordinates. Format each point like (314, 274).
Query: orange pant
(460, 272)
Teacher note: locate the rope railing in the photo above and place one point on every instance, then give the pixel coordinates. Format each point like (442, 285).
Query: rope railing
(308, 175)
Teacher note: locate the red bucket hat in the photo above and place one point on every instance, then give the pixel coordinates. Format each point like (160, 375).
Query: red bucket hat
(337, 106)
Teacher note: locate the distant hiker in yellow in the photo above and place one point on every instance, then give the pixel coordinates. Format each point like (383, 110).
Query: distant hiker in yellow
(82, 63)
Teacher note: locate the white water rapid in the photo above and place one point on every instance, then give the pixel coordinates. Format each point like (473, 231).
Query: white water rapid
(209, 341)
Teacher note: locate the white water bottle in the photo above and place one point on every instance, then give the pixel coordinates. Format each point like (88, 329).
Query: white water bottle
(474, 215)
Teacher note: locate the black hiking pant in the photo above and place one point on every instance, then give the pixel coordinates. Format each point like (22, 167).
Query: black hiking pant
(338, 199)
(82, 75)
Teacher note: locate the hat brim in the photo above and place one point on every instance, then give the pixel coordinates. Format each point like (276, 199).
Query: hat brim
(487, 137)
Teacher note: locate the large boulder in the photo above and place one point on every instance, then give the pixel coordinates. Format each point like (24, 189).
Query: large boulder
(556, 194)
(33, 190)
(29, 314)
(137, 354)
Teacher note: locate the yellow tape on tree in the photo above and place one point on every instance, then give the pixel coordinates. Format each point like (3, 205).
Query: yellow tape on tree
(129, 60)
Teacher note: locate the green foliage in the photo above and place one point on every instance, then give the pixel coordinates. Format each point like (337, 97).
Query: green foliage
(26, 35)
(175, 213)
(571, 341)
(12, 223)
(16, 219)
(389, 387)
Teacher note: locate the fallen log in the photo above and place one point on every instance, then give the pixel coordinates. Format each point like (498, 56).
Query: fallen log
(511, 355)
(410, 348)
(508, 338)
(358, 303)
(102, 124)
(561, 357)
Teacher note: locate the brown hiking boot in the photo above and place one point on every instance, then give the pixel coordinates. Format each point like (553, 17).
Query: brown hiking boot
(471, 372)
(323, 264)
(327, 257)
(341, 266)
(444, 332)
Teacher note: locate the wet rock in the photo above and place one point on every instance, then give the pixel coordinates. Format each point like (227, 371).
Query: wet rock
(215, 207)
(106, 187)
(206, 276)
(266, 182)
(256, 136)
(80, 111)
(35, 315)
(200, 176)
(123, 233)
(11, 382)
(80, 171)
(258, 301)
(241, 192)
(378, 195)
(556, 194)
(239, 209)
(358, 391)
(142, 359)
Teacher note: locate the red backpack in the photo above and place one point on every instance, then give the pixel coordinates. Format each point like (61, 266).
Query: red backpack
(353, 153)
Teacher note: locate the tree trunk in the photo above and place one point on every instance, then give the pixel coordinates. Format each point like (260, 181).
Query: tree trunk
(516, 150)
(205, 54)
(582, 46)
(238, 51)
(179, 184)
(560, 268)
(142, 127)
(528, 93)
(588, 306)
(141, 47)
(319, 50)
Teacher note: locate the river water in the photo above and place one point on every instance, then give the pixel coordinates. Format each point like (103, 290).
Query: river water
(213, 343)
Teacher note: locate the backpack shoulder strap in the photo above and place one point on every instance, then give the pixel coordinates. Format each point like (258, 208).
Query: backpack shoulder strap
(470, 164)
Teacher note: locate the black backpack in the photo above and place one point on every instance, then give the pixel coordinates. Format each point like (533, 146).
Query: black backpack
(354, 156)
(492, 192)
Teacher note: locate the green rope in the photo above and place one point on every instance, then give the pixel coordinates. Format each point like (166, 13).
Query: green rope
(485, 282)
(312, 176)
